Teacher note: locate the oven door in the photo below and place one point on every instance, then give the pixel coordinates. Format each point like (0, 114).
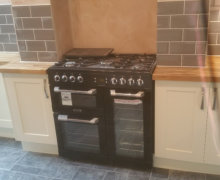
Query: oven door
(80, 133)
(68, 98)
(126, 119)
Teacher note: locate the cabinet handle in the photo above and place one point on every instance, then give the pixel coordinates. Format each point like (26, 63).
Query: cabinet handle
(202, 102)
(45, 89)
(214, 99)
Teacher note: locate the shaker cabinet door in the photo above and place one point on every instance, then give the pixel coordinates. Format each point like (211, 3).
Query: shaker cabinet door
(180, 120)
(30, 105)
(5, 116)
(212, 148)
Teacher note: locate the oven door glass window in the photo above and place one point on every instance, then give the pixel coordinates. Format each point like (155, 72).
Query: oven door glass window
(128, 121)
(80, 134)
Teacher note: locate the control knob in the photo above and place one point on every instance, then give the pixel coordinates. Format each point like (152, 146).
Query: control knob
(80, 79)
(56, 78)
(64, 78)
(114, 81)
(140, 82)
(72, 79)
(122, 81)
(131, 82)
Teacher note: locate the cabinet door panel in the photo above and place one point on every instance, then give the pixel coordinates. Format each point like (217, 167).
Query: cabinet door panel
(180, 121)
(5, 117)
(212, 150)
(31, 109)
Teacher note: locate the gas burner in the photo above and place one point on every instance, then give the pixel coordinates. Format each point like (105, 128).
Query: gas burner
(111, 62)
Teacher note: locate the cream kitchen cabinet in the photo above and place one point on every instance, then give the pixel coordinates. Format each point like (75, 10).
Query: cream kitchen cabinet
(212, 147)
(29, 101)
(5, 117)
(186, 126)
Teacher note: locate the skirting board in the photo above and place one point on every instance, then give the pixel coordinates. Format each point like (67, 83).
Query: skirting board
(6, 132)
(186, 166)
(40, 148)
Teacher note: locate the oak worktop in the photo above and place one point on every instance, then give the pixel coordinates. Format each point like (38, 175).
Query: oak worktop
(12, 64)
(209, 72)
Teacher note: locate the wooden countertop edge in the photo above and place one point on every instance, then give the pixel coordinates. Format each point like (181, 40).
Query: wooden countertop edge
(24, 71)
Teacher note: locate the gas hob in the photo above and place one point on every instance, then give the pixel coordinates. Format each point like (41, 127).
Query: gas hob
(118, 70)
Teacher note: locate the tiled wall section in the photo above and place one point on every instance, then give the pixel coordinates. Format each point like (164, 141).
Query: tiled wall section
(182, 32)
(214, 30)
(35, 33)
(7, 30)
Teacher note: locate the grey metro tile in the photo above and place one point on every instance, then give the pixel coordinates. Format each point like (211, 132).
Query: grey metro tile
(214, 27)
(196, 7)
(89, 174)
(21, 11)
(181, 175)
(163, 21)
(28, 56)
(22, 46)
(1, 47)
(13, 38)
(5, 9)
(182, 47)
(18, 23)
(11, 47)
(36, 46)
(201, 47)
(184, 21)
(169, 35)
(9, 19)
(7, 28)
(162, 48)
(41, 11)
(51, 45)
(213, 49)
(172, 7)
(4, 38)
(2, 19)
(32, 23)
(47, 56)
(214, 15)
(195, 34)
(44, 34)
(212, 38)
(25, 34)
(47, 23)
(203, 21)
(169, 60)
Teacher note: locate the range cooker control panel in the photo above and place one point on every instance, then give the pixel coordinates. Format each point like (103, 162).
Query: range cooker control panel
(102, 79)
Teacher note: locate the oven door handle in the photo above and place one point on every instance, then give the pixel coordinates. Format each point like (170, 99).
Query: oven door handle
(137, 95)
(65, 118)
(89, 92)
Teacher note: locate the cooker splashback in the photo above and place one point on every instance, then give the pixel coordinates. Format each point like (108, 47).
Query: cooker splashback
(128, 26)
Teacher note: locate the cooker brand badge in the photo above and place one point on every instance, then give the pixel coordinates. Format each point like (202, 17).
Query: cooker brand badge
(66, 98)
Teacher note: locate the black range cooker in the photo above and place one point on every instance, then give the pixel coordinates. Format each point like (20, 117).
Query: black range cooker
(104, 108)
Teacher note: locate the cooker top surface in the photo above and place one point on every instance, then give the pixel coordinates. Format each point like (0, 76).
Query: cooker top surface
(140, 62)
